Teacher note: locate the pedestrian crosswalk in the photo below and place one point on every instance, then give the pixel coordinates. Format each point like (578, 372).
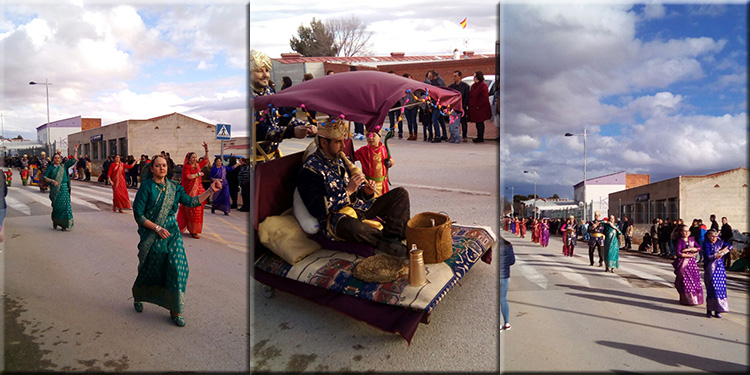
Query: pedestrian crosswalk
(29, 200)
(538, 268)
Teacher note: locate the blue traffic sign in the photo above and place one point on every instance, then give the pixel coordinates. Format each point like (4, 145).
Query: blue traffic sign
(223, 132)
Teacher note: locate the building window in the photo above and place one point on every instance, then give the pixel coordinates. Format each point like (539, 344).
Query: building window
(112, 147)
(87, 149)
(95, 150)
(659, 209)
(123, 147)
(673, 208)
(640, 216)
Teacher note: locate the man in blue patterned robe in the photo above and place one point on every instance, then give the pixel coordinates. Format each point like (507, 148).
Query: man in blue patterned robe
(345, 204)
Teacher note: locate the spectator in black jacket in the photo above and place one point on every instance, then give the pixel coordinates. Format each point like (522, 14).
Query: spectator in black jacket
(463, 88)
(243, 177)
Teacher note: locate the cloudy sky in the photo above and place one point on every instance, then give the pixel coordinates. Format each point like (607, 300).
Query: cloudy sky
(415, 27)
(660, 89)
(117, 62)
(120, 62)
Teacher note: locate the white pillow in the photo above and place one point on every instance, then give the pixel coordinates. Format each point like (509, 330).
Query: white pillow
(308, 223)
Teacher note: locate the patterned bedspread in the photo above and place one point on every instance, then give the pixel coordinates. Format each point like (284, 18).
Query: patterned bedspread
(332, 270)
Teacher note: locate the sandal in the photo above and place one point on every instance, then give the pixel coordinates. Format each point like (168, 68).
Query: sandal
(178, 320)
(195, 235)
(138, 306)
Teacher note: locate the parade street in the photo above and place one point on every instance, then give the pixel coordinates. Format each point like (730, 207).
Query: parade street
(568, 316)
(292, 334)
(68, 300)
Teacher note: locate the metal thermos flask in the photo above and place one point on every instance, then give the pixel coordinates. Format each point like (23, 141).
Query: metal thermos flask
(417, 273)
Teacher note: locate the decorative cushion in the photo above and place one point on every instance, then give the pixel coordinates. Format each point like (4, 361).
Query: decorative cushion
(283, 235)
(308, 223)
(381, 268)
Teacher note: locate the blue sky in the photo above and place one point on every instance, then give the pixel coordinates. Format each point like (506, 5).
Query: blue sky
(660, 89)
(117, 62)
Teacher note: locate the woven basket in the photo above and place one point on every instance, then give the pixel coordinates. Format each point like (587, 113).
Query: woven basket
(435, 242)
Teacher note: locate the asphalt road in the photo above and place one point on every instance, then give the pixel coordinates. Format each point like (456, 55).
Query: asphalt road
(292, 334)
(568, 316)
(68, 301)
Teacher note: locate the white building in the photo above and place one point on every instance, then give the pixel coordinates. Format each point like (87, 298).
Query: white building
(598, 190)
(551, 208)
(55, 134)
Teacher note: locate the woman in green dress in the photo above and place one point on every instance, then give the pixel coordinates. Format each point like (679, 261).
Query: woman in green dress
(611, 245)
(162, 267)
(56, 176)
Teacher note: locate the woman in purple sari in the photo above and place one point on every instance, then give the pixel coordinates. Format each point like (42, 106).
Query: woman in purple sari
(687, 275)
(544, 233)
(221, 199)
(715, 276)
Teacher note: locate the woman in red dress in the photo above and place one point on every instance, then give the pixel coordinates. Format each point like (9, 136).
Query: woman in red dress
(479, 105)
(192, 217)
(116, 176)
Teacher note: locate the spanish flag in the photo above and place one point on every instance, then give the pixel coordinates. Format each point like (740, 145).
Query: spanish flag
(463, 23)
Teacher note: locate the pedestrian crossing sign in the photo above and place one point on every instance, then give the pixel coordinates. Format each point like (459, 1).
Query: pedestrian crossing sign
(223, 132)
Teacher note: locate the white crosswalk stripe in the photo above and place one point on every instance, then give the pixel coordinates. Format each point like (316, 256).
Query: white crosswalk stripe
(645, 275)
(531, 273)
(81, 195)
(17, 205)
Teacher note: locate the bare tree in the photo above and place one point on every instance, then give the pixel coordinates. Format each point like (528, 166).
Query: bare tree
(315, 40)
(350, 36)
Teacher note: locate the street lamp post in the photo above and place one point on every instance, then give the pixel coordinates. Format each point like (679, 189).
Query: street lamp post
(46, 87)
(512, 200)
(585, 204)
(535, 175)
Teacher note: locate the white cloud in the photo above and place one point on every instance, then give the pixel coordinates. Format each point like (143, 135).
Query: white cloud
(661, 104)
(113, 62)
(579, 66)
(654, 10)
(203, 65)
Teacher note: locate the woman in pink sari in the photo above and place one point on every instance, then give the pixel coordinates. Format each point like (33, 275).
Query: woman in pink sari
(544, 233)
(535, 228)
(116, 176)
(192, 217)
(687, 274)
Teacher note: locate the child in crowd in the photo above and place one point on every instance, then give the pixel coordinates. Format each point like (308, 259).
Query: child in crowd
(454, 126)
(375, 161)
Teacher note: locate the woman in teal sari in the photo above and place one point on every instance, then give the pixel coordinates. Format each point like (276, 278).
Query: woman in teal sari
(162, 267)
(611, 245)
(56, 176)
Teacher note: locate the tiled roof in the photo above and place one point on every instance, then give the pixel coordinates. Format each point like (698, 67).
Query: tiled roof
(717, 174)
(372, 59)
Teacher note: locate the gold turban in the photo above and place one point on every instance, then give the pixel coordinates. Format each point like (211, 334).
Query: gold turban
(336, 129)
(259, 60)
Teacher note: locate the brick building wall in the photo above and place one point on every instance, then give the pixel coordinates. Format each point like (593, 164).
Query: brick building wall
(90, 123)
(175, 133)
(722, 194)
(445, 69)
(634, 180)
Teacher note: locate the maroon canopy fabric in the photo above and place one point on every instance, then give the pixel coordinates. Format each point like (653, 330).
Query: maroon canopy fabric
(361, 96)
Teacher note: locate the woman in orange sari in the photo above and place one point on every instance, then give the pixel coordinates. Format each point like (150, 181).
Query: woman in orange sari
(116, 176)
(192, 217)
